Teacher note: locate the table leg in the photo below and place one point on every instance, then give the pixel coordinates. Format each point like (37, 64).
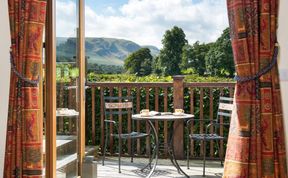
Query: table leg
(156, 152)
(171, 150)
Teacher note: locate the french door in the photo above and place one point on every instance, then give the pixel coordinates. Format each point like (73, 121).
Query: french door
(64, 102)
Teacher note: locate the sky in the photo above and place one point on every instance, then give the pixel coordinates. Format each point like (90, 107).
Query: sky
(145, 21)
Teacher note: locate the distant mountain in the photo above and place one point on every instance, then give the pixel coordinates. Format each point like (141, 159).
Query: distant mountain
(108, 51)
(154, 50)
(61, 40)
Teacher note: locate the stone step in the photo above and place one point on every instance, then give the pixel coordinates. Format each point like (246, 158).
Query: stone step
(65, 160)
(66, 167)
(66, 145)
(66, 163)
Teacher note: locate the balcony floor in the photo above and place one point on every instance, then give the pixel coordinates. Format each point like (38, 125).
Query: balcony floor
(164, 168)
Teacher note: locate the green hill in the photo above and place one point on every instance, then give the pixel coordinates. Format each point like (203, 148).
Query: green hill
(107, 51)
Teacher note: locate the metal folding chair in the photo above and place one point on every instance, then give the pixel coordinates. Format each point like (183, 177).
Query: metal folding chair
(224, 110)
(116, 107)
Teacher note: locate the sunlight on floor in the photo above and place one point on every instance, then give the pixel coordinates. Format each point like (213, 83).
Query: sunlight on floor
(164, 169)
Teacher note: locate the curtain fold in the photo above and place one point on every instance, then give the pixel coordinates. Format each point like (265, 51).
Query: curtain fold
(256, 143)
(24, 150)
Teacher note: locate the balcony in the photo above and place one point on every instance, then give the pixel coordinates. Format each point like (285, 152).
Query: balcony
(200, 99)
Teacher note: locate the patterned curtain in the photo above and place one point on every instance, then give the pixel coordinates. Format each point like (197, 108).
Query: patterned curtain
(24, 155)
(256, 145)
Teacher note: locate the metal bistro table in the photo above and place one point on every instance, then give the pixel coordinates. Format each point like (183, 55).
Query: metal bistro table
(164, 117)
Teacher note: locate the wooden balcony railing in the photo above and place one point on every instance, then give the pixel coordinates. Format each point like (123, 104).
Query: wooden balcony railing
(200, 99)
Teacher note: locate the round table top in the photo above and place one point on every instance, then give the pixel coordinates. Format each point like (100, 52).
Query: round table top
(163, 117)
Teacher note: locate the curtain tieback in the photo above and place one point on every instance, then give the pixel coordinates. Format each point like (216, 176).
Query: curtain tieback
(20, 36)
(263, 70)
(21, 76)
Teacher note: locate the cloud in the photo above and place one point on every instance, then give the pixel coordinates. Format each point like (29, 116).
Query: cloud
(66, 19)
(145, 21)
(110, 10)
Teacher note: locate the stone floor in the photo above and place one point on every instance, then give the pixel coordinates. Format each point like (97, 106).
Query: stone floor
(164, 169)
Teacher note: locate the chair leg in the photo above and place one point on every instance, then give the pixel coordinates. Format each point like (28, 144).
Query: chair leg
(105, 146)
(132, 150)
(221, 158)
(119, 155)
(188, 151)
(204, 158)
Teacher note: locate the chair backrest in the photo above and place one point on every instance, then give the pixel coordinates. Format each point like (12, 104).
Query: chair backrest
(118, 105)
(225, 107)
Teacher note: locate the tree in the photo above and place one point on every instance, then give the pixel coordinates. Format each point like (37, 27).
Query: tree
(219, 59)
(156, 68)
(193, 57)
(171, 54)
(139, 62)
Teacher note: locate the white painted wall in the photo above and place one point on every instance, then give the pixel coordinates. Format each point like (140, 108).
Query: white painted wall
(4, 76)
(283, 64)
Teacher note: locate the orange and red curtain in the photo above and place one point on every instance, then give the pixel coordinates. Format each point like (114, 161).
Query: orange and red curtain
(24, 155)
(256, 145)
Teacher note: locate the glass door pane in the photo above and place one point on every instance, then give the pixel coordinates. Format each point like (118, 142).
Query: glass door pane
(67, 78)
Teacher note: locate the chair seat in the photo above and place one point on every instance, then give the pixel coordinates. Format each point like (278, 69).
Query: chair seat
(205, 137)
(130, 135)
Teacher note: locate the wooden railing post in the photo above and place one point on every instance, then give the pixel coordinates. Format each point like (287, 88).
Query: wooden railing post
(178, 101)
